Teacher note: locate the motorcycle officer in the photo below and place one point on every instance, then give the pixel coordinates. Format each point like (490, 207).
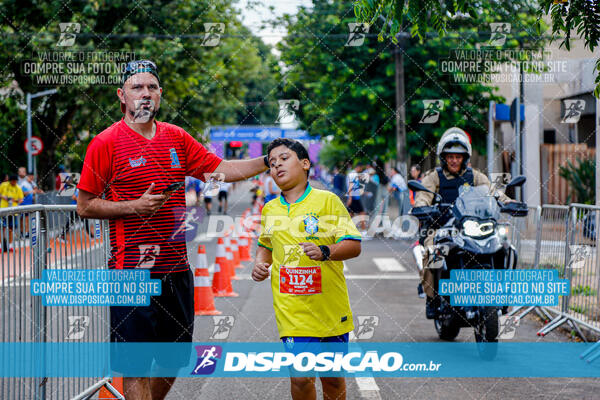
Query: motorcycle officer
(454, 152)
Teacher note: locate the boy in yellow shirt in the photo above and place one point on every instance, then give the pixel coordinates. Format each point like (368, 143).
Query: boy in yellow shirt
(305, 235)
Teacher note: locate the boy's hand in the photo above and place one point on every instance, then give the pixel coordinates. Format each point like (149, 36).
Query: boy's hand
(312, 251)
(260, 272)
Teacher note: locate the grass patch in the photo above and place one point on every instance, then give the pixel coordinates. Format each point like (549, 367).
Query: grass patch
(583, 290)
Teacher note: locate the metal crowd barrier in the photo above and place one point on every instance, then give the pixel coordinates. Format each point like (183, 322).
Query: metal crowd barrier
(580, 267)
(35, 238)
(545, 249)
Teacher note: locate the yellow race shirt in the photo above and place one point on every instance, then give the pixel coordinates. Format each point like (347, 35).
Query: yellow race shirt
(14, 193)
(310, 297)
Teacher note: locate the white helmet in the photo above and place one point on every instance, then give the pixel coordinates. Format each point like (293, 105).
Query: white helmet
(454, 140)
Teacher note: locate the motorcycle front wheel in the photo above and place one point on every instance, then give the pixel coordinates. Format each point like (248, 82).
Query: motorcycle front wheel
(486, 334)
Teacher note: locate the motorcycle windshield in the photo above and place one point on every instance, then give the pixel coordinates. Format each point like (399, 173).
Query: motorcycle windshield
(477, 202)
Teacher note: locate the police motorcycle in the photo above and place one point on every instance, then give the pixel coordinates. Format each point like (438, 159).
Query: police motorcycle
(468, 236)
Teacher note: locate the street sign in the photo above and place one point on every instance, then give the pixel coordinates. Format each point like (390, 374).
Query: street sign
(34, 145)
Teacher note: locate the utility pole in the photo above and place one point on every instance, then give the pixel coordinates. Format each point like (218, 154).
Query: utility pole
(31, 166)
(400, 109)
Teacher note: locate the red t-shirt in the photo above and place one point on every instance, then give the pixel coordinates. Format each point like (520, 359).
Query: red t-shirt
(121, 164)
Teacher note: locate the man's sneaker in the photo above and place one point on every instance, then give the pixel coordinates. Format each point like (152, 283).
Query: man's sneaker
(420, 291)
(11, 248)
(430, 308)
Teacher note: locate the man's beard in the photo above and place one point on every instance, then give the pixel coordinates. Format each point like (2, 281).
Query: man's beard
(145, 110)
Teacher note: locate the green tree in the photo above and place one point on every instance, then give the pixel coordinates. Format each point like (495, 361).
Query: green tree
(348, 93)
(582, 16)
(581, 176)
(202, 85)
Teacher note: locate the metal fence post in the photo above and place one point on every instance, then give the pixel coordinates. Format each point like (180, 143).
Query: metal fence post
(39, 264)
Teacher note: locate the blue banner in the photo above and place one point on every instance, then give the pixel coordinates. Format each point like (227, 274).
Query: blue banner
(256, 133)
(95, 287)
(488, 287)
(240, 359)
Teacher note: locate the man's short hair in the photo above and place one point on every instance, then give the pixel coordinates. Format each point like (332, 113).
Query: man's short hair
(293, 145)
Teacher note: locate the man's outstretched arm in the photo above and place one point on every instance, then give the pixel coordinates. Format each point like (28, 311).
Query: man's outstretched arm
(237, 170)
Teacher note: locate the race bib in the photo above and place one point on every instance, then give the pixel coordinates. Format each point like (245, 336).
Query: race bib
(300, 280)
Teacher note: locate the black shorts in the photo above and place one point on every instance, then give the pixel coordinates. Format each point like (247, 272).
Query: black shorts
(222, 195)
(208, 200)
(356, 206)
(168, 318)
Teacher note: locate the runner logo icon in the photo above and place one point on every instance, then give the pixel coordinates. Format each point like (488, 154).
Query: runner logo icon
(207, 359)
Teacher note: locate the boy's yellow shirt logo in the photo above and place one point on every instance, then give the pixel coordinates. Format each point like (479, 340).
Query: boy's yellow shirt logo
(311, 225)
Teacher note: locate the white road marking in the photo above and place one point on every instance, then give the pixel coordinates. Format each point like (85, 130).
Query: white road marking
(368, 388)
(366, 384)
(389, 264)
(345, 266)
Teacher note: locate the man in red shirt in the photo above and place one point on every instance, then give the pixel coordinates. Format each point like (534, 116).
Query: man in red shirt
(126, 170)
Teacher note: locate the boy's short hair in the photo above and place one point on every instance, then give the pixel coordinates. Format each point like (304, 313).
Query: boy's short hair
(293, 145)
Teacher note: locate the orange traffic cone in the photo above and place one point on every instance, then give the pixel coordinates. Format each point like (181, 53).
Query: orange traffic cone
(221, 285)
(244, 244)
(105, 394)
(201, 260)
(204, 302)
(230, 263)
(235, 250)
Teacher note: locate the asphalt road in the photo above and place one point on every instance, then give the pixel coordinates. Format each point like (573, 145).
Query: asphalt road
(378, 287)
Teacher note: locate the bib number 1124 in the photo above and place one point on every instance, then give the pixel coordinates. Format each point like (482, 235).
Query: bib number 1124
(300, 280)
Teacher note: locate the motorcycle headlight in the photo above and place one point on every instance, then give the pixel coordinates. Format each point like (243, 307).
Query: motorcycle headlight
(477, 229)
(503, 231)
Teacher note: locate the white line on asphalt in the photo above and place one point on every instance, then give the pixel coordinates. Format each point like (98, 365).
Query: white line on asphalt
(366, 384)
(368, 387)
(345, 266)
(388, 264)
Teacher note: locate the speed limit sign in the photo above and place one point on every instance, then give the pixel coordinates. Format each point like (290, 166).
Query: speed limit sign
(34, 145)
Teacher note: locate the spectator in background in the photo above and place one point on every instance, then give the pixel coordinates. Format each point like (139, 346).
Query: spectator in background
(193, 190)
(22, 174)
(271, 189)
(399, 190)
(339, 182)
(415, 174)
(58, 181)
(29, 188)
(11, 195)
(207, 191)
(382, 196)
(223, 194)
(355, 190)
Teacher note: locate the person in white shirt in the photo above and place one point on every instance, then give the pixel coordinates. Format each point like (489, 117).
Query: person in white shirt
(271, 189)
(398, 188)
(223, 192)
